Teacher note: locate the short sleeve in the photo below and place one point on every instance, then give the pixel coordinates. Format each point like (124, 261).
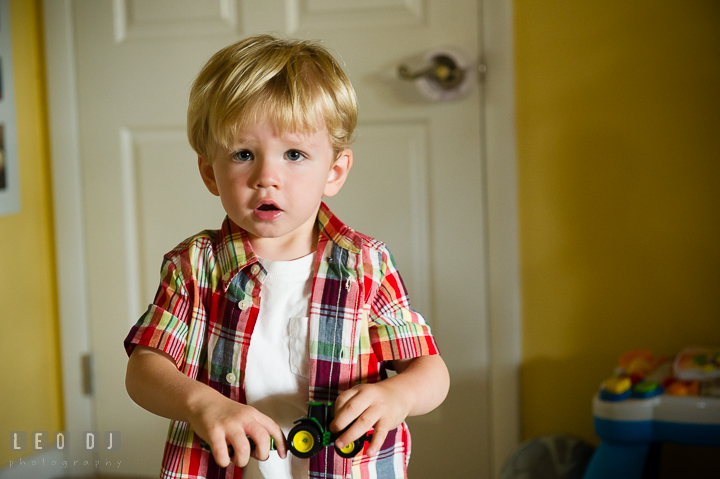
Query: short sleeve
(164, 325)
(396, 331)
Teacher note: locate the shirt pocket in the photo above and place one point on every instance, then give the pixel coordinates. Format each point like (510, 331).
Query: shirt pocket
(298, 346)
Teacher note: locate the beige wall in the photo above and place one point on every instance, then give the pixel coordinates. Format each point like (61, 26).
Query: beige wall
(30, 391)
(618, 116)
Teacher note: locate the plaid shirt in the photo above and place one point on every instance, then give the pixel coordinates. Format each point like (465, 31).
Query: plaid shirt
(205, 310)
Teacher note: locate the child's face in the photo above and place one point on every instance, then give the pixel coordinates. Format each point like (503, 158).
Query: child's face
(272, 186)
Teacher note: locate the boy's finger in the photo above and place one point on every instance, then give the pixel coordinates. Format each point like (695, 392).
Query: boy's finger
(343, 398)
(220, 452)
(218, 448)
(362, 425)
(274, 430)
(378, 438)
(259, 440)
(241, 449)
(348, 412)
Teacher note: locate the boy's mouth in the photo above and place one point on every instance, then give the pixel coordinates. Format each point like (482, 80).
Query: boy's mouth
(267, 210)
(268, 207)
(267, 204)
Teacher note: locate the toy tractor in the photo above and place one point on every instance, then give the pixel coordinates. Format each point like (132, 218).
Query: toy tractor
(312, 432)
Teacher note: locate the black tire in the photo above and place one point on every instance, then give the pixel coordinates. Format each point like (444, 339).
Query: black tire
(309, 440)
(348, 453)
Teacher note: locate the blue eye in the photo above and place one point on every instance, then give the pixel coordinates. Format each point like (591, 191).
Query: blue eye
(243, 155)
(294, 155)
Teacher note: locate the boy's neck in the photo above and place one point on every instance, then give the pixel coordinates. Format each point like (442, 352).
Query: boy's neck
(285, 248)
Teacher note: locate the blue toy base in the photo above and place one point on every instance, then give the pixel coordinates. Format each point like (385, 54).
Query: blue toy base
(617, 461)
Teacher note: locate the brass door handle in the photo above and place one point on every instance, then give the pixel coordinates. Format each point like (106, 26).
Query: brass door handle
(443, 71)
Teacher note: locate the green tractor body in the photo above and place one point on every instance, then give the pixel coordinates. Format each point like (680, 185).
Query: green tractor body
(312, 432)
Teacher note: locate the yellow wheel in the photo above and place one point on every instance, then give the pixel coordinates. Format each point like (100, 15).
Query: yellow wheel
(352, 449)
(348, 449)
(303, 442)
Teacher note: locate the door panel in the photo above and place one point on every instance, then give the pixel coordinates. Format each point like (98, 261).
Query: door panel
(417, 183)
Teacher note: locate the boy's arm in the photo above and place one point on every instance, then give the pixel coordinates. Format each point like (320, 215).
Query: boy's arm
(154, 383)
(420, 386)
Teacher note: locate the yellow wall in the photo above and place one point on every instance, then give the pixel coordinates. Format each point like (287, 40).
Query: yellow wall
(30, 394)
(618, 116)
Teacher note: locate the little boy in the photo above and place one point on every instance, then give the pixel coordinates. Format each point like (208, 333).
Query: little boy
(284, 304)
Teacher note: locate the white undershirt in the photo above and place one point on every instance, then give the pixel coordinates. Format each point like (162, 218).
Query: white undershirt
(276, 375)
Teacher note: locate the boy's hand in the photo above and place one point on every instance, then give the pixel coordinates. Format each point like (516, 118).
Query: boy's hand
(154, 382)
(222, 422)
(380, 406)
(419, 387)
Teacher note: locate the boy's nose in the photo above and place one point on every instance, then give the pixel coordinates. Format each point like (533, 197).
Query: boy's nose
(267, 174)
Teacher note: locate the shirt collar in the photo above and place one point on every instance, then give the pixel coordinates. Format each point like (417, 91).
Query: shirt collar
(235, 251)
(337, 231)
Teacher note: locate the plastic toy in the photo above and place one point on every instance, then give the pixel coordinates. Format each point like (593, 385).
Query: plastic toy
(311, 433)
(697, 364)
(231, 450)
(648, 401)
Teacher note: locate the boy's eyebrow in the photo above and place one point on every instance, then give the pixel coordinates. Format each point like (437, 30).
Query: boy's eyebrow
(294, 139)
(298, 141)
(238, 140)
(240, 137)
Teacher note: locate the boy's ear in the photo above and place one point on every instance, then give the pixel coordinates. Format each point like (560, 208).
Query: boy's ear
(338, 173)
(208, 175)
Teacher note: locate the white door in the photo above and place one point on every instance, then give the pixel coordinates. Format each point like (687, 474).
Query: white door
(142, 194)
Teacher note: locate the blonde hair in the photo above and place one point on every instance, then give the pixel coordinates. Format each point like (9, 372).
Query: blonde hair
(296, 85)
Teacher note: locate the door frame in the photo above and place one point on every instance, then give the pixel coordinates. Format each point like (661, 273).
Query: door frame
(500, 219)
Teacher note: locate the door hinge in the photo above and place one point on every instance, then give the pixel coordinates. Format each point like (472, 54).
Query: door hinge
(88, 382)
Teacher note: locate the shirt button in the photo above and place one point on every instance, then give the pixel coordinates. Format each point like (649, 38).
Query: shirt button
(244, 304)
(255, 269)
(230, 378)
